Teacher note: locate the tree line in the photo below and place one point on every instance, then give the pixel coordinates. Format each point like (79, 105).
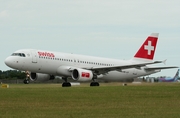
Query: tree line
(12, 74)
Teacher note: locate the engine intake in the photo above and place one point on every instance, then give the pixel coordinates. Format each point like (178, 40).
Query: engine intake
(82, 75)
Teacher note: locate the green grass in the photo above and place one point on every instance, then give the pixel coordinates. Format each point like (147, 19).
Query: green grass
(110, 100)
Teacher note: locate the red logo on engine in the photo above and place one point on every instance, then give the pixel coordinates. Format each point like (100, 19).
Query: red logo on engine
(85, 74)
(46, 54)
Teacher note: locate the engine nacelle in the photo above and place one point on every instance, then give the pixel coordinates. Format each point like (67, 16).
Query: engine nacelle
(82, 74)
(64, 71)
(41, 77)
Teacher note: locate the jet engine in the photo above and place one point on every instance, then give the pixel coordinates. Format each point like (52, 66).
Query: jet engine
(41, 77)
(82, 74)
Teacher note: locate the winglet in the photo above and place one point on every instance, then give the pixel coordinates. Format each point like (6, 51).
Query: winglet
(148, 48)
(164, 62)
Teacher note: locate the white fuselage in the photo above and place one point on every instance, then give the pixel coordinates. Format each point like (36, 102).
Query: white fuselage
(50, 62)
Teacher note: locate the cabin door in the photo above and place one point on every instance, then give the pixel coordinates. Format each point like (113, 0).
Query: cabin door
(76, 61)
(34, 56)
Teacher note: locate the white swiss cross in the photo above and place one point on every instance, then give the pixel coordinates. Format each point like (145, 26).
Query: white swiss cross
(149, 47)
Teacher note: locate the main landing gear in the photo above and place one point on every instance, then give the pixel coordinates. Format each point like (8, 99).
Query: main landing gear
(94, 84)
(66, 84)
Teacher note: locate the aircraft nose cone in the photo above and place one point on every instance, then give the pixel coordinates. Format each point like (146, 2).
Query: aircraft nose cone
(8, 61)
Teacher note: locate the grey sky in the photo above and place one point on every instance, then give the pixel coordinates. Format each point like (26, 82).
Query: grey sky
(105, 28)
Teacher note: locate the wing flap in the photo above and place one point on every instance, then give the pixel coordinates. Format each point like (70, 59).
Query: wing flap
(120, 67)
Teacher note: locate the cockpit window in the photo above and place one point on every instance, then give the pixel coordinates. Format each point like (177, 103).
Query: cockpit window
(19, 54)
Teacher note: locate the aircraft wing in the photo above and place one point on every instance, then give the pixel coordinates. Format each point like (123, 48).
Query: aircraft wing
(105, 69)
(157, 68)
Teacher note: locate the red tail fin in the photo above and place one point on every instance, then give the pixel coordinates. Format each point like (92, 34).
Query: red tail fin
(147, 50)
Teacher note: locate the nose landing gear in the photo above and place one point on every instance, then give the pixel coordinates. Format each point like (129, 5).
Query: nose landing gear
(27, 80)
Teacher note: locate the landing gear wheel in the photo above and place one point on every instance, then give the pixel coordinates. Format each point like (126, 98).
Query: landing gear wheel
(26, 81)
(66, 84)
(94, 84)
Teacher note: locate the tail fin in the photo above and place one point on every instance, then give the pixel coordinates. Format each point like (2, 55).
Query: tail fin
(147, 50)
(177, 75)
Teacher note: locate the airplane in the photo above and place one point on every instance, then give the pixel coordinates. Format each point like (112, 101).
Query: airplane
(170, 79)
(45, 65)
